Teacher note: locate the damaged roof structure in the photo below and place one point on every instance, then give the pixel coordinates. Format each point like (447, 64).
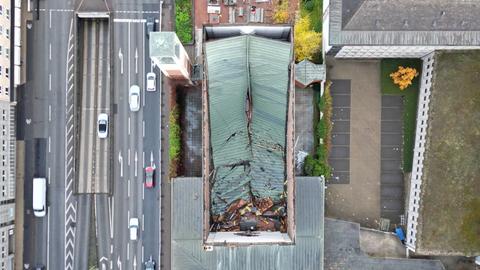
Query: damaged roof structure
(190, 253)
(248, 84)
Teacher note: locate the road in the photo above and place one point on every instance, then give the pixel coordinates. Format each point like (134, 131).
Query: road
(45, 133)
(61, 239)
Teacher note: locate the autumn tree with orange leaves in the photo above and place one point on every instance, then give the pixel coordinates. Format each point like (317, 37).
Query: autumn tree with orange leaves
(404, 76)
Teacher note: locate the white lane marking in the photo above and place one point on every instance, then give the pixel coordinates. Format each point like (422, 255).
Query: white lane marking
(143, 193)
(50, 19)
(49, 82)
(128, 125)
(48, 175)
(142, 252)
(143, 61)
(128, 251)
(136, 61)
(95, 213)
(129, 64)
(128, 156)
(49, 144)
(143, 222)
(49, 113)
(48, 237)
(143, 160)
(120, 20)
(120, 160)
(111, 248)
(113, 215)
(143, 124)
(136, 163)
(120, 56)
(128, 188)
(110, 220)
(49, 51)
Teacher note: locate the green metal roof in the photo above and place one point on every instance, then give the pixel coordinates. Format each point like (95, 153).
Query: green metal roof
(247, 164)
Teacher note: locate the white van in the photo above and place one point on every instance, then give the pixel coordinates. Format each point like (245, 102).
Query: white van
(39, 197)
(133, 226)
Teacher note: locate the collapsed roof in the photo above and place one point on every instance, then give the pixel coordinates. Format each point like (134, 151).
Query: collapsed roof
(248, 81)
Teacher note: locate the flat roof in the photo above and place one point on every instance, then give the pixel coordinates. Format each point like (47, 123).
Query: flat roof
(451, 171)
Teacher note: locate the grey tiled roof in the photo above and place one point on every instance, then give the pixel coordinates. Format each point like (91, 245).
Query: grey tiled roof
(409, 22)
(307, 72)
(342, 251)
(187, 227)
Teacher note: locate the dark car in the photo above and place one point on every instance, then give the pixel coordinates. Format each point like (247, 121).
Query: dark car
(149, 173)
(150, 264)
(150, 25)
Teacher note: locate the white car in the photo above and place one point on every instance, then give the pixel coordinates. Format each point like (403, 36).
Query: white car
(151, 81)
(102, 124)
(133, 227)
(134, 98)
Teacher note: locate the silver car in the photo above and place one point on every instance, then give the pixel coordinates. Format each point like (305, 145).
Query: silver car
(134, 98)
(102, 124)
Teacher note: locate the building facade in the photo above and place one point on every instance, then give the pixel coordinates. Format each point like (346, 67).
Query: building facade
(7, 140)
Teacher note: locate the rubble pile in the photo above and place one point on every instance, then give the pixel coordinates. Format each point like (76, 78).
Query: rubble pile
(257, 215)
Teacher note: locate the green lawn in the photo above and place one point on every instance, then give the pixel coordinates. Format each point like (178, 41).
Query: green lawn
(410, 97)
(183, 20)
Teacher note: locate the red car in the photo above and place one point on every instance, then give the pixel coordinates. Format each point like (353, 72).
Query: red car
(149, 173)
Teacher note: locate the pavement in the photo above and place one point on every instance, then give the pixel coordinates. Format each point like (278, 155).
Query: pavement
(359, 200)
(304, 116)
(191, 119)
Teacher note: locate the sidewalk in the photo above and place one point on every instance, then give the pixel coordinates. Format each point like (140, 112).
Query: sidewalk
(19, 205)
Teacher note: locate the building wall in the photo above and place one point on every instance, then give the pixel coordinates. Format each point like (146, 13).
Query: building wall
(393, 51)
(7, 141)
(419, 150)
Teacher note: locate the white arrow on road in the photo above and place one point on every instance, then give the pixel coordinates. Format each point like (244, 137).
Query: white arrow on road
(119, 263)
(136, 60)
(135, 262)
(136, 159)
(120, 56)
(103, 258)
(120, 159)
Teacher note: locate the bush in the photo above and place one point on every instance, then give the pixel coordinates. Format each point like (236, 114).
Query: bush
(174, 135)
(307, 42)
(183, 20)
(403, 77)
(315, 167)
(280, 15)
(308, 5)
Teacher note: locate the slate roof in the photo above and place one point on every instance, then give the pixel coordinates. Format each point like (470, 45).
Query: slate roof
(187, 228)
(244, 163)
(342, 251)
(307, 72)
(409, 22)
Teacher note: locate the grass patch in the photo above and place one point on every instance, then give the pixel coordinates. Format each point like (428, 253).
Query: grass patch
(410, 98)
(175, 140)
(183, 20)
(317, 164)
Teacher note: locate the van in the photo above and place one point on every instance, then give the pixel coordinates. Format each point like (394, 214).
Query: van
(39, 197)
(133, 227)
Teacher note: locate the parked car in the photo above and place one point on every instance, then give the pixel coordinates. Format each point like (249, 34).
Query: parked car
(151, 82)
(150, 264)
(133, 227)
(102, 124)
(134, 98)
(149, 173)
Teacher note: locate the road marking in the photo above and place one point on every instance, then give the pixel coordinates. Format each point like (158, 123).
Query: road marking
(128, 188)
(123, 20)
(49, 51)
(128, 216)
(143, 159)
(143, 125)
(128, 156)
(49, 82)
(49, 113)
(112, 228)
(49, 144)
(119, 263)
(50, 19)
(48, 238)
(48, 175)
(143, 256)
(143, 193)
(136, 61)
(143, 222)
(128, 251)
(111, 248)
(134, 261)
(136, 163)
(129, 55)
(120, 159)
(128, 125)
(120, 56)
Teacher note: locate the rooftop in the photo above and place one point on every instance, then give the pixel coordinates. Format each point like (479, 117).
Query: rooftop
(409, 22)
(451, 171)
(248, 82)
(187, 227)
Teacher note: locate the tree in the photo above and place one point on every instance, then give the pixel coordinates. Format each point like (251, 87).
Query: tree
(404, 76)
(307, 42)
(280, 14)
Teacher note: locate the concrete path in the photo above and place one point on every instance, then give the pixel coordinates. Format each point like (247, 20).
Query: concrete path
(304, 115)
(359, 200)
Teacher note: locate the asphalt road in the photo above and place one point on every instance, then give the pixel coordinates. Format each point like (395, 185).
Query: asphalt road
(44, 124)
